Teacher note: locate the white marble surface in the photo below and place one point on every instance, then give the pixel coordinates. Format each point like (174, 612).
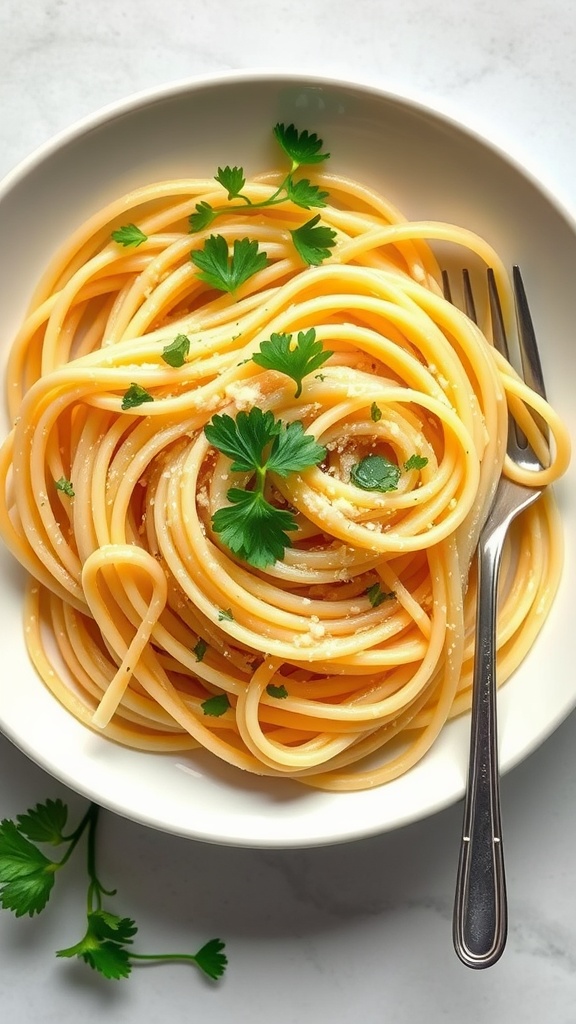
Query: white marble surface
(359, 932)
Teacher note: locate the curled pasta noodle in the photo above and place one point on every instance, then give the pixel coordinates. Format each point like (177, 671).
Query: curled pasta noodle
(340, 663)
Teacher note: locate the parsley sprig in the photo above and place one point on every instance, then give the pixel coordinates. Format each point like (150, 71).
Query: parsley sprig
(312, 240)
(259, 444)
(303, 148)
(27, 878)
(295, 359)
(226, 271)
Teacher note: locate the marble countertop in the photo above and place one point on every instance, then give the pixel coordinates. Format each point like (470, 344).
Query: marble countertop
(359, 932)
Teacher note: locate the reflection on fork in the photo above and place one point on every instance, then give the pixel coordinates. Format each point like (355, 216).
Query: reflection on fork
(480, 911)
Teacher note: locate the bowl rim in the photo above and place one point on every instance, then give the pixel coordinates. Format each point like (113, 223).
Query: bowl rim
(414, 99)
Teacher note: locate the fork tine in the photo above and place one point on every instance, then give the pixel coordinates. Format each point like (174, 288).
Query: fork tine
(531, 365)
(469, 304)
(498, 329)
(467, 293)
(446, 286)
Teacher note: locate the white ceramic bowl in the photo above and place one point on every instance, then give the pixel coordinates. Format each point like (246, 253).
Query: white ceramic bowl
(432, 168)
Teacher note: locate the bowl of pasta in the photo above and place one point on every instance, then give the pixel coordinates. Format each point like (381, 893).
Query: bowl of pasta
(247, 450)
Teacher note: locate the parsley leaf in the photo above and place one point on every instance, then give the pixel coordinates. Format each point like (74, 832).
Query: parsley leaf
(103, 945)
(26, 875)
(375, 413)
(294, 450)
(227, 272)
(135, 396)
(245, 440)
(257, 442)
(296, 361)
(304, 194)
(376, 595)
(416, 462)
(216, 706)
(44, 823)
(203, 216)
(128, 235)
(200, 649)
(375, 473)
(313, 243)
(242, 439)
(211, 959)
(225, 615)
(65, 486)
(302, 147)
(280, 692)
(175, 353)
(232, 179)
(252, 528)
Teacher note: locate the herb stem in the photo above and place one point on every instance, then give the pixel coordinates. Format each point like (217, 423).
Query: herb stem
(162, 956)
(274, 200)
(75, 836)
(95, 888)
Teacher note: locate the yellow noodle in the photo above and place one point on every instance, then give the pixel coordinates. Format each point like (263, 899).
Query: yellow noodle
(136, 614)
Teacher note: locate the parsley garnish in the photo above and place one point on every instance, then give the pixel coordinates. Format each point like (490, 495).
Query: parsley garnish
(65, 486)
(375, 473)
(259, 444)
(295, 360)
(233, 180)
(175, 353)
(376, 595)
(200, 649)
(136, 395)
(27, 878)
(375, 413)
(280, 692)
(216, 706)
(302, 148)
(129, 234)
(313, 243)
(416, 462)
(227, 272)
(225, 615)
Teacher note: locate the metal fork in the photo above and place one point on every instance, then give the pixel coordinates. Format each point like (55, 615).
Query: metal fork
(480, 921)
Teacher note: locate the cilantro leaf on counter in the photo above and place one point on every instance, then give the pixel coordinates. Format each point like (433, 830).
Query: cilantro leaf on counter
(27, 880)
(26, 875)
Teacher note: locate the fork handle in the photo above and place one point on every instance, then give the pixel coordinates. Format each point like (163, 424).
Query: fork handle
(480, 911)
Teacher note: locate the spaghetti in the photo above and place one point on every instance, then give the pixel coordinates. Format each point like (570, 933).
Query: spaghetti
(339, 663)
